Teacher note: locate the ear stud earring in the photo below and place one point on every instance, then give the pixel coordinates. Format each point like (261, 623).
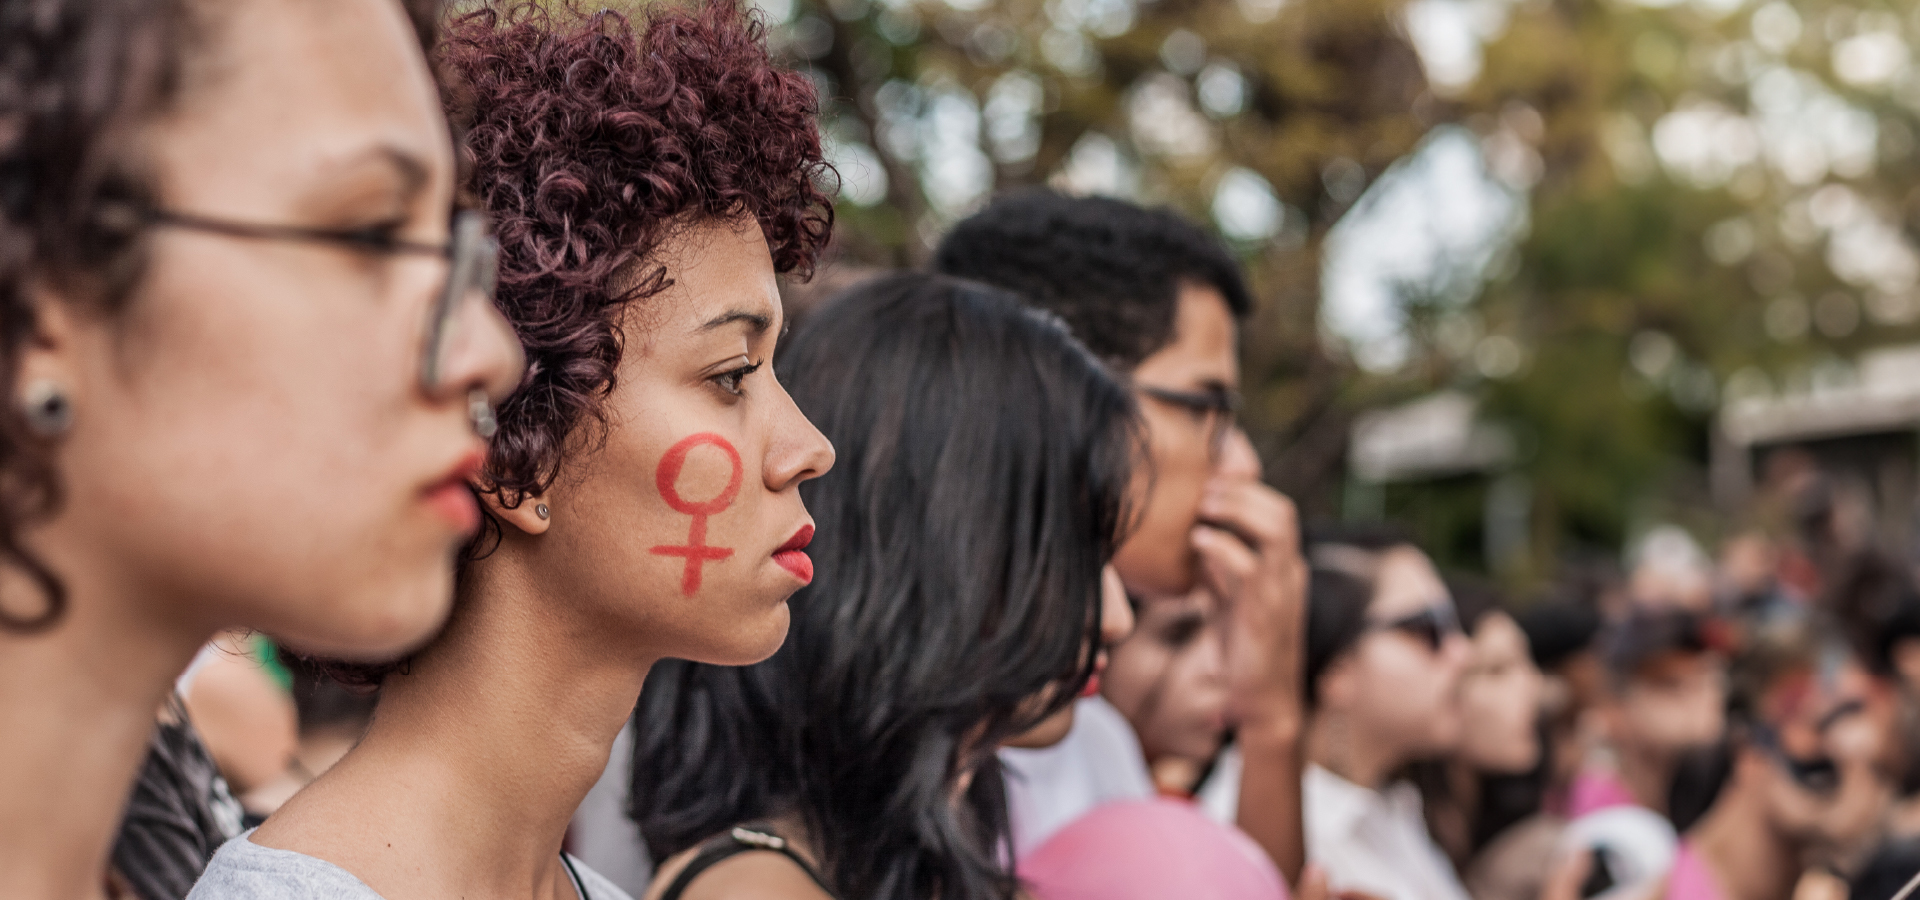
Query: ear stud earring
(540, 509)
(48, 411)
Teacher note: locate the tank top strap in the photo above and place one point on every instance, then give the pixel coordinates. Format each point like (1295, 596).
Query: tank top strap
(740, 839)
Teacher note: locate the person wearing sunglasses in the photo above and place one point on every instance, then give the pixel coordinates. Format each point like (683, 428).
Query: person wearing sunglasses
(652, 175)
(1802, 787)
(1385, 658)
(232, 397)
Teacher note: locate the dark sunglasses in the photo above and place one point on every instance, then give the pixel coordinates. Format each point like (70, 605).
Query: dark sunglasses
(1432, 625)
(1217, 406)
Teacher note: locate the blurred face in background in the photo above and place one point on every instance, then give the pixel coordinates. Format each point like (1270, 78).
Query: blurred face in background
(1399, 686)
(1169, 678)
(1184, 445)
(1813, 760)
(1500, 700)
(1673, 703)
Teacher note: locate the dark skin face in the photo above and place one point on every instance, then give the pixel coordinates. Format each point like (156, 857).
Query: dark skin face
(1157, 558)
(697, 421)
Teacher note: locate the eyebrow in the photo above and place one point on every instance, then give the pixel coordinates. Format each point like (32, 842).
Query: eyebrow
(413, 171)
(756, 322)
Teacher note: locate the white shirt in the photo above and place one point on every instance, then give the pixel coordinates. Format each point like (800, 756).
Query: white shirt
(1099, 761)
(1374, 841)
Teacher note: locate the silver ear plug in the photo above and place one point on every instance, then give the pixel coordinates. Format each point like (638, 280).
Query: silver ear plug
(45, 405)
(540, 509)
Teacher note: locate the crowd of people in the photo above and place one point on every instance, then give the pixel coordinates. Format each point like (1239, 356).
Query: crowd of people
(415, 487)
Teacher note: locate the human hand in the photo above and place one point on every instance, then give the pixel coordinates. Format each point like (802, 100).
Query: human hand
(1248, 541)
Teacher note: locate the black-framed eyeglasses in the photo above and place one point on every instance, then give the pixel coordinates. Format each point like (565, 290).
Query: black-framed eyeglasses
(472, 254)
(1218, 407)
(1431, 625)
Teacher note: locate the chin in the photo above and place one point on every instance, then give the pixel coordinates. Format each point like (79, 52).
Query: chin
(1051, 730)
(386, 625)
(747, 647)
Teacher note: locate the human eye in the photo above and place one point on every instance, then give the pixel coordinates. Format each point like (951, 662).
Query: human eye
(732, 379)
(377, 237)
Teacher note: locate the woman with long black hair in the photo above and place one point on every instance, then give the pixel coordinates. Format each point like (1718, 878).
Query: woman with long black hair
(984, 464)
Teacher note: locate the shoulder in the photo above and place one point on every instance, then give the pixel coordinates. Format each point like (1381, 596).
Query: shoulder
(752, 875)
(244, 869)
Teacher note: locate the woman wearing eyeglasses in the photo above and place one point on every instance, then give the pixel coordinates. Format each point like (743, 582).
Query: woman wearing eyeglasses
(246, 372)
(650, 177)
(1385, 657)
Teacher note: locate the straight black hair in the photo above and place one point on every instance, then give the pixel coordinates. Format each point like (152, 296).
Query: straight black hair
(984, 462)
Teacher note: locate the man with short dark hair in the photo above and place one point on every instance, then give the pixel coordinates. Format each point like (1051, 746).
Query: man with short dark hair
(1160, 300)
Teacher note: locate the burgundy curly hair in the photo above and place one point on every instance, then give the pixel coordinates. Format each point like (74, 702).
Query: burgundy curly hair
(592, 142)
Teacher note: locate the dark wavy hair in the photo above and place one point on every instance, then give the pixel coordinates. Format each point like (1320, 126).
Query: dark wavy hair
(79, 81)
(592, 143)
(1111, 269)
(983, 464)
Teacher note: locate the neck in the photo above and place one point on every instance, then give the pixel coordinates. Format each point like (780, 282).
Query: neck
(1748, 858)
(1336, 743)
(1648, 775)
(479, 753)
(77, 703)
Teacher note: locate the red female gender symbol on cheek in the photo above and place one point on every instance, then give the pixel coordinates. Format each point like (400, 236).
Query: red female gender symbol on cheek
(666, 477)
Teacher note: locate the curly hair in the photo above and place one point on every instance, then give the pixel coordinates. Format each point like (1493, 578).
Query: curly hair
(1111, 269)
(79, 81)
(592, 143)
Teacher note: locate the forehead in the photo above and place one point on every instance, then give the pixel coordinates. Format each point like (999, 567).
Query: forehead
(1204, 342)
(280, 92)
(1407, 583)
(720, 269)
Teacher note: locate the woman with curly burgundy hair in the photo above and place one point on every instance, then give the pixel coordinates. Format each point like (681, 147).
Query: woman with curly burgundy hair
(244, 361)
(650, 178)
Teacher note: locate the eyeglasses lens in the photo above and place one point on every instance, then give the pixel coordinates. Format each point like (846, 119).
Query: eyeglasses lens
(474, 269)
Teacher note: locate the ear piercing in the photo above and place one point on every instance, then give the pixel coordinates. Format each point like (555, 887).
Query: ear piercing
(540, 509)
(480, 412)
(48, 410)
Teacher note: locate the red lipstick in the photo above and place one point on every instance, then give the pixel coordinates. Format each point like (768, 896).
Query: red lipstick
(450, 497)
(792, 555)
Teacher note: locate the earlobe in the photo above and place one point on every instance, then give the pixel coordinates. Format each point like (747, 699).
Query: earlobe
(44, 385)
(531, 515)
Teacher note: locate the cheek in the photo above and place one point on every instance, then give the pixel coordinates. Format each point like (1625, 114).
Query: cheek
(710, 491)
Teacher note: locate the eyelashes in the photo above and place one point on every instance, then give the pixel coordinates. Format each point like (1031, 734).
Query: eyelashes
(730, 380)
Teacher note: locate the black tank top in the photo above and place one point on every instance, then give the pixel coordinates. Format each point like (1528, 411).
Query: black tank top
(740, 839)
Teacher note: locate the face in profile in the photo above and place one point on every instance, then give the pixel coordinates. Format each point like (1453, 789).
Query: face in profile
(1169, 678)
(1116, 623)
(1184, 444)
(685, 524)
(1813, 759)
(1500, 700)
(1400, 683)
(252, 440)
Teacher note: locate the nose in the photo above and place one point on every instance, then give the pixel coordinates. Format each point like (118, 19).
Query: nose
(1116, 615)
(797, 451)
(1238, 459)
(482, 353)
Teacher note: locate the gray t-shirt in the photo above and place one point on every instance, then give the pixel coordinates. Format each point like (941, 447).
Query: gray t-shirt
(244, 870)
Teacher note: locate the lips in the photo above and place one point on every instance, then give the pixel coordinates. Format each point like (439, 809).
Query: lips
(1093, 682)
(792, 555)
(451, 499)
